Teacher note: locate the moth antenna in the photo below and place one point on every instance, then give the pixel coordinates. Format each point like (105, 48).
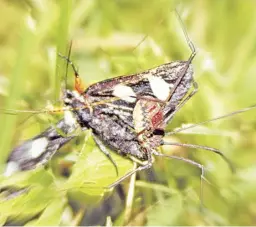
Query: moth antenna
(71, 63)
(79, 86)
(14, 112)
(67, 64)
(194, 146)
(213, 119)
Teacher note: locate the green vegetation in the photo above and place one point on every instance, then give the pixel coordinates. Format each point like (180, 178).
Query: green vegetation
(112, 38)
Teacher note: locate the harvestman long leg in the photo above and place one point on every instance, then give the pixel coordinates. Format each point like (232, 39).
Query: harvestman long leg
(148, 165)
(183, 73)
(195, 146)
(194, 163)
(180, 77)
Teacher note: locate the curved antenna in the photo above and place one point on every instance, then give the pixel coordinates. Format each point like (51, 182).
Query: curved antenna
(67, 64)
(79, 86)
(14, 112)
(71, 63)
(213, 119)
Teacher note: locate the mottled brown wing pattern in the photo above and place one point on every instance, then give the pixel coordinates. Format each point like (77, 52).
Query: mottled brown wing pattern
(133, 88)
(156, 84)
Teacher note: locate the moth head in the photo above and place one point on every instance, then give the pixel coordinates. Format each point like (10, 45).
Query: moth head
(72, 97)
(67, 98)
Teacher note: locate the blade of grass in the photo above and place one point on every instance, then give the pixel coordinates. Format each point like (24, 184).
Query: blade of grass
(17, 81)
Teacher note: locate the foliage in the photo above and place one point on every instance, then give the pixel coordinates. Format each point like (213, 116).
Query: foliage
(112, 38)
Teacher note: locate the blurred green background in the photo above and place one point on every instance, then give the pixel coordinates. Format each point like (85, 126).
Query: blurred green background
(120, 37)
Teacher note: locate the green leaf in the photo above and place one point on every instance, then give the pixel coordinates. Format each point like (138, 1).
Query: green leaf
(18, 78)
(165, 212)
(94, 170)
(65, 7)
(3, 219)
(52, 214)
(30, 202)
(28, 178)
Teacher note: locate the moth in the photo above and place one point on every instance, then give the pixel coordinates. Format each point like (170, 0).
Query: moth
(109, 106)
(127, 114)
(110, 99)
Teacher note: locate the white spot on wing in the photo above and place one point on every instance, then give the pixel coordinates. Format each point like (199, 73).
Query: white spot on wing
(124, 92)
(11, 168)
(159, 87)
(38, 147)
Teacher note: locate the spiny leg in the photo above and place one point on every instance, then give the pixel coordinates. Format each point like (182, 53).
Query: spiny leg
(148, 165)
(194, 146)
(200, 166)
(105, 151)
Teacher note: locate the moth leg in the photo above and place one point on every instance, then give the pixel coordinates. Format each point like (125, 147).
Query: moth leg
(148, 165)
(105, 151)
(200, 166)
